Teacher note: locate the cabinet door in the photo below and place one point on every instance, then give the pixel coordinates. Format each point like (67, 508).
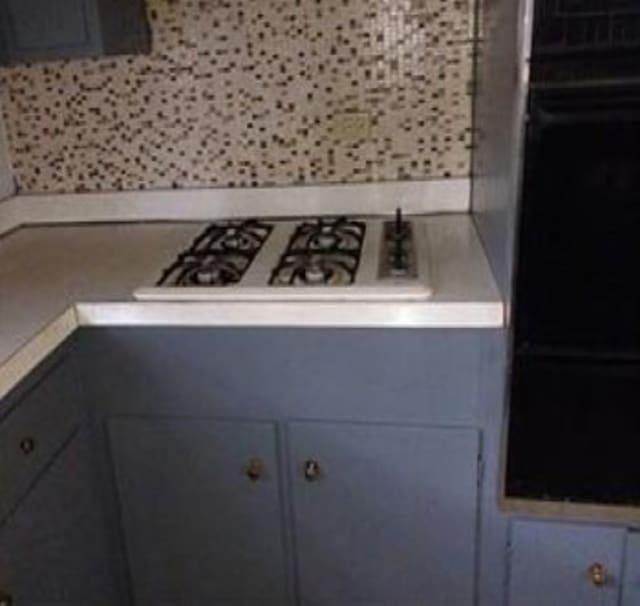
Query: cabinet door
(561, 564)
(631, 592)
(201, 510)
(46, 29)
(40, 422)
(384, 515)
(54, 548)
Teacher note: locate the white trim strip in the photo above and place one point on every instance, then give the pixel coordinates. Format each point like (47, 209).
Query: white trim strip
(308, 314)
(415, 197)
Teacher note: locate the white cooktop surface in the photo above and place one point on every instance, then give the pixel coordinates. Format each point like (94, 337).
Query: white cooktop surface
(254, 285)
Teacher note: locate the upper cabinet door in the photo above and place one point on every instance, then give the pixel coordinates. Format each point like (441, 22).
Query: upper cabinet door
(201, 509)
(43, 30)
(384, 515)
(46, 29)
(561, 564)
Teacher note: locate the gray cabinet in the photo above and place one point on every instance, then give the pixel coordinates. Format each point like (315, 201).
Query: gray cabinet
(201, 509)
(54, 547)
(55, 538)
(560, 564)
(631, 588)
(226, 488)
(396, 415)
(34, 30)
(39, 422)
(384, 515)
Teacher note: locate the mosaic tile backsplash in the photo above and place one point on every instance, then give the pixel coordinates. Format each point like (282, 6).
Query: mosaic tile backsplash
(253, 93)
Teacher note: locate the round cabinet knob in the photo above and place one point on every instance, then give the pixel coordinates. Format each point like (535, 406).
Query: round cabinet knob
(312, 471)
(5, 599)
(27, 446)
(254, 470)
(598, 574)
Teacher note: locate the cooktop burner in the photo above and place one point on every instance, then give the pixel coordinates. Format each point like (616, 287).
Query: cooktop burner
(321, 253)
(219, 256)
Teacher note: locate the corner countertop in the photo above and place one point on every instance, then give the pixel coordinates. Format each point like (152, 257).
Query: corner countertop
(55, 279)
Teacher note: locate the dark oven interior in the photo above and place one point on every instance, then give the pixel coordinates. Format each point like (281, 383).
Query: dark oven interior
(574, 435)
(577, 286)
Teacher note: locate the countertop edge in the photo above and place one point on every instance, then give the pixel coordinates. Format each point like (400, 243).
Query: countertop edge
(291, 314)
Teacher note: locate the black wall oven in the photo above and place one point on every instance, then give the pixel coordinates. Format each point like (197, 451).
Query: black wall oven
(575, 387)
(579, 260)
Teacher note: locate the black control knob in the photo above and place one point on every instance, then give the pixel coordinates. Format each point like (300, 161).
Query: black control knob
(398, 250)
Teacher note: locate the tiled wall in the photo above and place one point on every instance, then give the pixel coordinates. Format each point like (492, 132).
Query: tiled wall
(252, 93)
(6, 176)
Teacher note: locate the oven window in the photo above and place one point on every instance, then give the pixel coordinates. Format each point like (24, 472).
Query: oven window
(574, 429)
(578, 283)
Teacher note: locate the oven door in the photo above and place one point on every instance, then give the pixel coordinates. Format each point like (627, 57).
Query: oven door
(574, 431)
(578, 282)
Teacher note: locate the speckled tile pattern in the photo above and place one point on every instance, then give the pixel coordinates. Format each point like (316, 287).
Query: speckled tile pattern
(250, 93)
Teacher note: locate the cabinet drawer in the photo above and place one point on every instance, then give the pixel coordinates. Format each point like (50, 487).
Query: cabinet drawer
(559, 564)
(34, 431)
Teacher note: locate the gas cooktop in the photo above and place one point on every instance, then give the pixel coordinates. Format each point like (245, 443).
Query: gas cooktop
(326, 258)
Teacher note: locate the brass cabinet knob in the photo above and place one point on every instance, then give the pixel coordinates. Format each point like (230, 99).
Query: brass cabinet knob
(254, 470)
(5, 599)
(312, 471)
(598, 574)
(27, 446)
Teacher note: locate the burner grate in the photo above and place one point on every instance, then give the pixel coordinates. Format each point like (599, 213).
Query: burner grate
(321, 253)
(219, 256)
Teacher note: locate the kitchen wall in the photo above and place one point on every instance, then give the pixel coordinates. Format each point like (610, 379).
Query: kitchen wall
(254, 93)
(6, 174)
(503, 50)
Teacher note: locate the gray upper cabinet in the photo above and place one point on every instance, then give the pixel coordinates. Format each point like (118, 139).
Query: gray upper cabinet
(201, 509)
(384, 515)
(560, 564)
(39, 30)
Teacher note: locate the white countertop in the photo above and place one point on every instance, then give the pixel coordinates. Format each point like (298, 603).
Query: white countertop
(54, 279)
